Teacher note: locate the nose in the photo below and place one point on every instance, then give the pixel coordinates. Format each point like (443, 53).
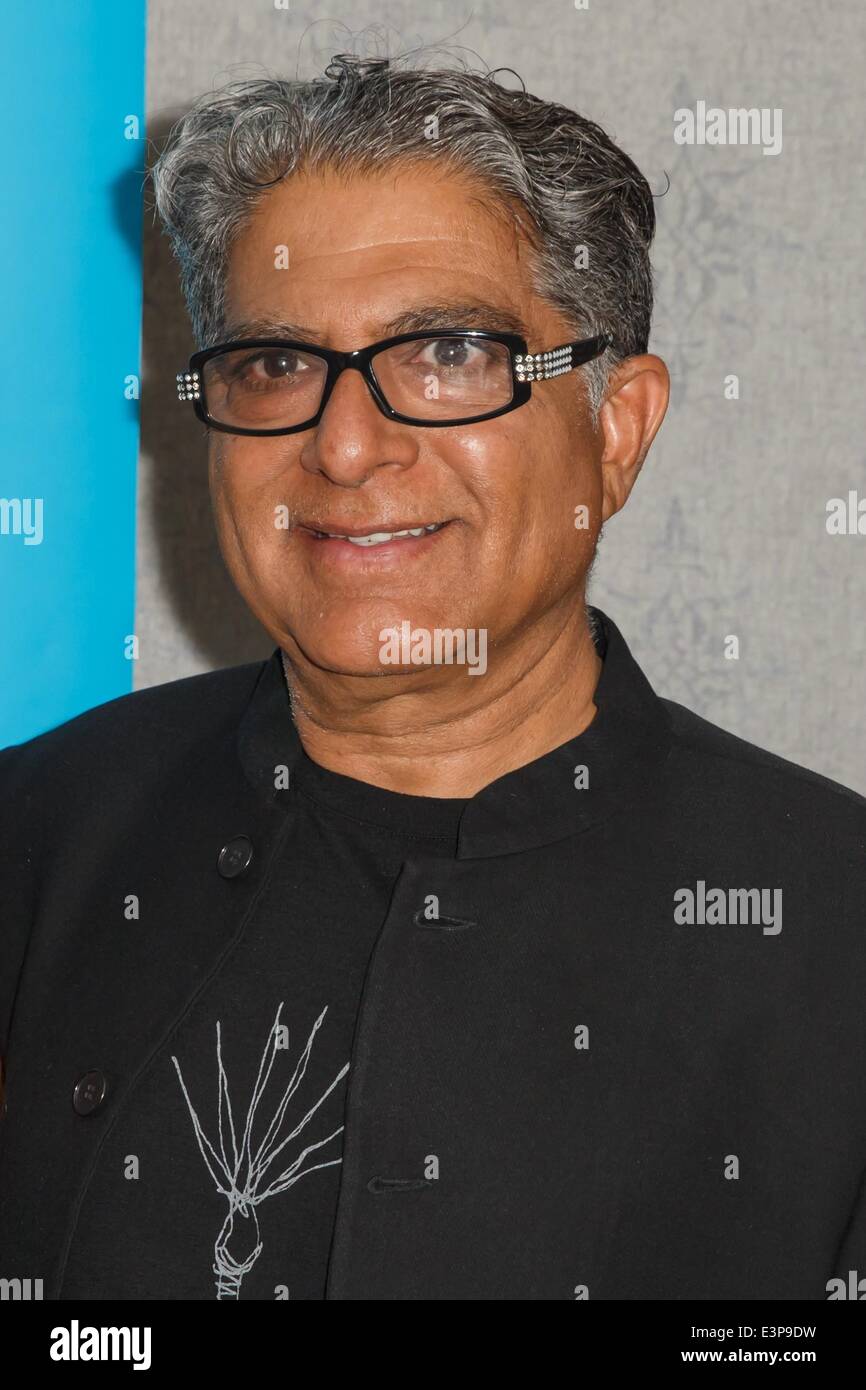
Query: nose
(354, 439)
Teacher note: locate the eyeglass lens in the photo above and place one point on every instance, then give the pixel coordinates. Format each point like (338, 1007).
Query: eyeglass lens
(272, 388)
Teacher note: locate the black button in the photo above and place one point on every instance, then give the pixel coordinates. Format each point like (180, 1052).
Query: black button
(89, 1093)
(235, 857)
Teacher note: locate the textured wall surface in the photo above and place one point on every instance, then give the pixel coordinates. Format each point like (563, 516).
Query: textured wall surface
(759, 272)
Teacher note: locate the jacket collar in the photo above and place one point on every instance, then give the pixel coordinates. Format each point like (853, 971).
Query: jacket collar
(538, 804)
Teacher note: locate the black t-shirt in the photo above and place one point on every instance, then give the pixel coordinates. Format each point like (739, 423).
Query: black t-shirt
(221, 1175)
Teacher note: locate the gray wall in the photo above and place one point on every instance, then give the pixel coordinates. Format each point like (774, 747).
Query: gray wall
(760, 272)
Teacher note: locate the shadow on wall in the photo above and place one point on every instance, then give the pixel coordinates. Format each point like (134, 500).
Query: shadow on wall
(179, 555)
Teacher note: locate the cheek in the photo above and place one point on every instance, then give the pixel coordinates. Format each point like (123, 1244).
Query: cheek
(542, 494)
(222, 478)
(565, 482)
(536, 488)
(230, 515)
(246, 500)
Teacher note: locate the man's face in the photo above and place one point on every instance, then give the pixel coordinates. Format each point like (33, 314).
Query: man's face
(361, 254)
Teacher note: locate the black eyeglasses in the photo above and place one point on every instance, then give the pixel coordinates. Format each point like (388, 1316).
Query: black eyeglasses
(454, 377)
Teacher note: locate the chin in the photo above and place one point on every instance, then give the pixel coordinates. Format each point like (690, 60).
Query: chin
(344, 637)
(366, 637)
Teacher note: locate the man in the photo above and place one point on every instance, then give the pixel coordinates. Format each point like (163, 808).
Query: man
(436, 957)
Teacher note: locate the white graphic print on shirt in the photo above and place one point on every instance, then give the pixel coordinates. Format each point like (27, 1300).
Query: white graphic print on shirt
(241, 1173)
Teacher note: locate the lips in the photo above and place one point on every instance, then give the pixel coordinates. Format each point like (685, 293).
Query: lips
(375, 535)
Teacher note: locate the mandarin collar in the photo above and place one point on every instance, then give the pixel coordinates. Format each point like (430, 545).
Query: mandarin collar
(538, 804)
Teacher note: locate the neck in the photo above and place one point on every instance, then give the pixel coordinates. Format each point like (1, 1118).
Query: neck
(439, 733)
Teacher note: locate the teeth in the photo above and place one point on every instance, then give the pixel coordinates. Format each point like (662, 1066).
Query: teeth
(375, 537)
(380, 537)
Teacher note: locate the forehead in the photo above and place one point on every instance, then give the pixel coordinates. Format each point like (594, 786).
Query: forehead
(362, 247)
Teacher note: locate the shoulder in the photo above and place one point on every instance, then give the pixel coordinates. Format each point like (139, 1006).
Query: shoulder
(146, 726)
(743, 780)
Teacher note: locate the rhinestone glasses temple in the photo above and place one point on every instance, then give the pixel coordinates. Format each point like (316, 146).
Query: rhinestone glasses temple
(541, 366)
(188, 386)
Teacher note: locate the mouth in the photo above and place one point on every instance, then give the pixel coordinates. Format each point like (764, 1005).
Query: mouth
(367, 539)
(383, 549)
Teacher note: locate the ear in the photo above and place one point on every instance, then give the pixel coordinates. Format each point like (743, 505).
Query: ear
(629, 418)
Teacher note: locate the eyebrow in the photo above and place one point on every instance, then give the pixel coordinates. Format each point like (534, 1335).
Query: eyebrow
(464, 314)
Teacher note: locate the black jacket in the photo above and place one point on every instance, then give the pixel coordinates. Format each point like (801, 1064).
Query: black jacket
(623, 1102)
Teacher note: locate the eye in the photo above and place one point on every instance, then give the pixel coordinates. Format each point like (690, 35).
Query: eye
(273, 365)
(265, 370)
(452, 352)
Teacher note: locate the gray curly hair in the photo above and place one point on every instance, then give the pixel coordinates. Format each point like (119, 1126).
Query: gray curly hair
(558, 173)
